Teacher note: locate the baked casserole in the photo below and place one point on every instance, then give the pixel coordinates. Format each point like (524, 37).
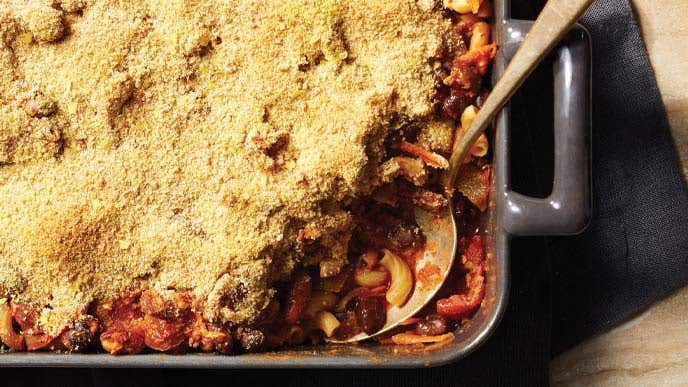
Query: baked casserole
(229, 176)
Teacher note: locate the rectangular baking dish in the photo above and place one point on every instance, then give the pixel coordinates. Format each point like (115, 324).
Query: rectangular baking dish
(565, 211)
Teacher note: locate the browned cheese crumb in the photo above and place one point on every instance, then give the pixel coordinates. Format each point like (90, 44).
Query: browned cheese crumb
(44, 22)
(188, 144)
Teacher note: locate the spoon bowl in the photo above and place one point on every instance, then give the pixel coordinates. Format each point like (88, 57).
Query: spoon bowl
(430, 272)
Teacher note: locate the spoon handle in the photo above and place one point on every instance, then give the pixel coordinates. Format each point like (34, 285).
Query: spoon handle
(554, 21)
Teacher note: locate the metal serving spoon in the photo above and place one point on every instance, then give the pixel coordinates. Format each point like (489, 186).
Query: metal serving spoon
(440, 230)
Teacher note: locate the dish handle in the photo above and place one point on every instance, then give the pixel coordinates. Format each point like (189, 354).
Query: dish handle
(567, 210)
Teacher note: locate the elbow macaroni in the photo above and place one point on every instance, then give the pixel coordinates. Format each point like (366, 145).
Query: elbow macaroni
(463, 6)
(480, 35)
(326, 322)
(467, 116)
(370, 278)
(401, 280)
(479, 149)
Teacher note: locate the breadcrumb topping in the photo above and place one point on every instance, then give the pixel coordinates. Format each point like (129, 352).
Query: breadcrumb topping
(186, 144)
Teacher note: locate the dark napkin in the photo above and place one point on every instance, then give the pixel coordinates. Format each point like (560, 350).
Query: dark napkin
(636, 248)
(562, 289)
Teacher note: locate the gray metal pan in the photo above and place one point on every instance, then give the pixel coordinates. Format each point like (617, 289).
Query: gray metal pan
(565, 211)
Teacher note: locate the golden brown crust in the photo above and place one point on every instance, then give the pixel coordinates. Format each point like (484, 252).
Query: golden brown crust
(193, 140)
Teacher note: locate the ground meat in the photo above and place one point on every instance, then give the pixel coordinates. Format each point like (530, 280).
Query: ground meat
(164, 335)
(467, 77)
(122, 342)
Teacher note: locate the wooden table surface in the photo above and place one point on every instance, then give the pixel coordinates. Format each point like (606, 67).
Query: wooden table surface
(651, 348)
